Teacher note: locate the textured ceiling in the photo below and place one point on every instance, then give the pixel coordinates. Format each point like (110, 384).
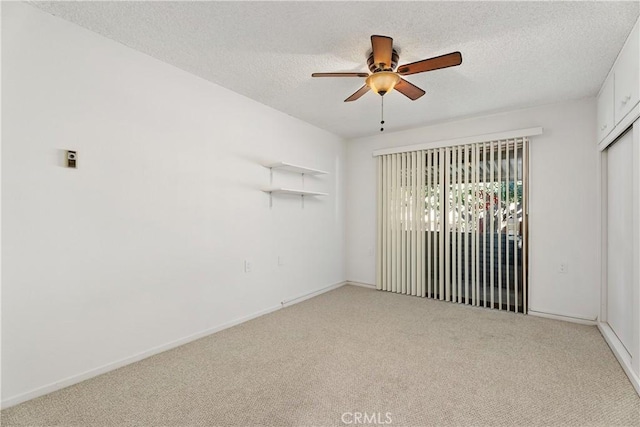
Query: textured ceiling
(515, 54)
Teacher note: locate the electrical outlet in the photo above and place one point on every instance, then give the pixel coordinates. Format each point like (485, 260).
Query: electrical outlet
(247, 266)
(563, 268)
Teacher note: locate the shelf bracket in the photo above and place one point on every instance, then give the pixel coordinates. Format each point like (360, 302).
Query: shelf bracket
(271, 185)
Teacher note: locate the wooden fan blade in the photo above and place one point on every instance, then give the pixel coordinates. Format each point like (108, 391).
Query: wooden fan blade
(340, 75)
(409, 90)
(444, 61)
(364, 89)
(382, 47)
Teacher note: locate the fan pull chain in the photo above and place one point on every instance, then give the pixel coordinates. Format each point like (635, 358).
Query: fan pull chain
(382, 113)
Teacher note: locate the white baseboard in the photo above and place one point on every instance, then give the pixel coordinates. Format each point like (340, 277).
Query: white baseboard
(312, 294)
(74, 379)
(621, 354)
(565, 318)
(361, 284)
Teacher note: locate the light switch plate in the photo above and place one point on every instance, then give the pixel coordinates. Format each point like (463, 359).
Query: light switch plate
(72, 159)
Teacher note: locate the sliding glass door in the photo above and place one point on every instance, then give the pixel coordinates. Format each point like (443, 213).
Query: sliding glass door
(452, 224)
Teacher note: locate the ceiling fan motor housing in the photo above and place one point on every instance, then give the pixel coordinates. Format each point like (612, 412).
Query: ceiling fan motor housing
(374, 68)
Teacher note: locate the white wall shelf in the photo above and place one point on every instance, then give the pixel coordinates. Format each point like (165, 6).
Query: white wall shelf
(288, 167)
(294, 192)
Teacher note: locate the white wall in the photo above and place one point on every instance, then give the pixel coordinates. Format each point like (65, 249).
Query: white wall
(563, 206)
(144, 243)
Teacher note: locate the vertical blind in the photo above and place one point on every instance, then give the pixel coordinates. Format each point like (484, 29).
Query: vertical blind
(452, 224)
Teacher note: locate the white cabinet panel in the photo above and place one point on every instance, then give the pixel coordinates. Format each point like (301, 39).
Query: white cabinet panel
(605, 109)
(619, 98)
(627, 76)
(620, 239)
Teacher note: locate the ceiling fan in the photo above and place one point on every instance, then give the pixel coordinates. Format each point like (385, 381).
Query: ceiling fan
(384, 76)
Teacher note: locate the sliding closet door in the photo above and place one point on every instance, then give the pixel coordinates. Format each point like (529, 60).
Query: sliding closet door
(620, 238)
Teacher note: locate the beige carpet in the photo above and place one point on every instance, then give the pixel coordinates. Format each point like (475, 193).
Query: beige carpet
(358, 350)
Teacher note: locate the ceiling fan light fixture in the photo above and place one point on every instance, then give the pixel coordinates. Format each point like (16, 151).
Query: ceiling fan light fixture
(382, 82)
